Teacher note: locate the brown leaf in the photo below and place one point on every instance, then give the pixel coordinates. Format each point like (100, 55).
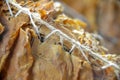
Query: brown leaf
(1, 28)
(9, 37)
(21, 59)
(54, 63)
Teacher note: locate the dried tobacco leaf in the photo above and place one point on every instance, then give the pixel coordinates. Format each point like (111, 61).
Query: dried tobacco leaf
(53, 59)
(21, 59)
(9, 37)
(70, 23)
(48, 57)
(1, 28)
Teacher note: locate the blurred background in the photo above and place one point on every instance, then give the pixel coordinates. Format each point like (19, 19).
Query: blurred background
(101, 16)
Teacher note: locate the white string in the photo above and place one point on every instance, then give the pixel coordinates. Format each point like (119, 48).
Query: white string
(18, 13)
(84, 55)
(73, 46)
(54, 31)
(9, 7)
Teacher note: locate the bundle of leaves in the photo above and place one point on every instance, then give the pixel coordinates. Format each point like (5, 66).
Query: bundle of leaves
(38, 41)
